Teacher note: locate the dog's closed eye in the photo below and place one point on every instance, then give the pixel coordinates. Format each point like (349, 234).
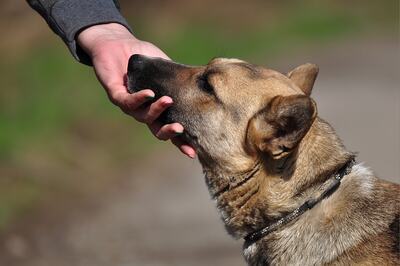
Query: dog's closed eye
(204, 84)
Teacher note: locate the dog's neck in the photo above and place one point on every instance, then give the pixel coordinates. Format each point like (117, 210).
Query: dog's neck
(272, 188)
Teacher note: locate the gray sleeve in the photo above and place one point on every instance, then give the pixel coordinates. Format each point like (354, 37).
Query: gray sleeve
(68, 17)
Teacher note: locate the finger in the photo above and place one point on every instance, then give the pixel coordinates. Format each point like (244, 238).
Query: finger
(166, 132)
(184, 147)
(169, 131)
(174, 131)
(156, 108)
(131, 102)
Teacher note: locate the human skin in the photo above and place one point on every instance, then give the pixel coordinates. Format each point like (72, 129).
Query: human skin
(110, 47)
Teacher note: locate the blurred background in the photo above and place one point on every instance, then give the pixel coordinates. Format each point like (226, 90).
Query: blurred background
(83, 184)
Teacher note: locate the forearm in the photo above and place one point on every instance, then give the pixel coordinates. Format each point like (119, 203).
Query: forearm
(67, 18)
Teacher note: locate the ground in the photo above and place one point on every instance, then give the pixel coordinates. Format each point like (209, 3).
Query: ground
(162, 214)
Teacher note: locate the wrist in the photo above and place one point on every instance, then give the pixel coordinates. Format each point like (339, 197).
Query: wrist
(94, 36)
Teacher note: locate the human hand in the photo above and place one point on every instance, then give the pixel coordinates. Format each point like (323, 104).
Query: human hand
(110, 47)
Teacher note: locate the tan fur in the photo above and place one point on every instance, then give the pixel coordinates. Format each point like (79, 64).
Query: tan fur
(264, 152)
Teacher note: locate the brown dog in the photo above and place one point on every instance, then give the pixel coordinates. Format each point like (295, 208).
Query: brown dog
(281, 177)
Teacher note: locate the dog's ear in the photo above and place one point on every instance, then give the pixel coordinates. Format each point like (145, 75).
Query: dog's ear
(304, 77)
(281, 125)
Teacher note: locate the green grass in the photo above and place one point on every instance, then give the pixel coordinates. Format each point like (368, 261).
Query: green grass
(200, 41)
(49, 87)
(48, 93)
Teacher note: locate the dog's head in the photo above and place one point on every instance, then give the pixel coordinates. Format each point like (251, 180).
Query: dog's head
(231, 110)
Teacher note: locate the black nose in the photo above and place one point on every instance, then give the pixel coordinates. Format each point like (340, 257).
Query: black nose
(136, 62)
(149, 72)
(136, 65)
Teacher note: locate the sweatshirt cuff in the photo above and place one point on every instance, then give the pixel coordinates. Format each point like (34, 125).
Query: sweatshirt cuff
(73, 16)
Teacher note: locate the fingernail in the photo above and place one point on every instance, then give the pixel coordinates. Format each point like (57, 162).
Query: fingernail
(165, 103)
(149, 97)
(178, 133)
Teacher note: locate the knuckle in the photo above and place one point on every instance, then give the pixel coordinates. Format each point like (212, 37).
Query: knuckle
(114, 99)
(139, 118)
(127, 105)
(149, 118)
(126, 111)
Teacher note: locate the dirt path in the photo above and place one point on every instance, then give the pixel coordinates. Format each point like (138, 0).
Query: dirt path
(163, 215)
(148, 221)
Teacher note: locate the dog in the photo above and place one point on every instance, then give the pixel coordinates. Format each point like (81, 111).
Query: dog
(281, 177)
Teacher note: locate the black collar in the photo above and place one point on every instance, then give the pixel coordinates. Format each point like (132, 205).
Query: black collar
(310, 203)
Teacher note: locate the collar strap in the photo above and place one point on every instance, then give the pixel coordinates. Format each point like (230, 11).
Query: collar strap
(309, 204)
